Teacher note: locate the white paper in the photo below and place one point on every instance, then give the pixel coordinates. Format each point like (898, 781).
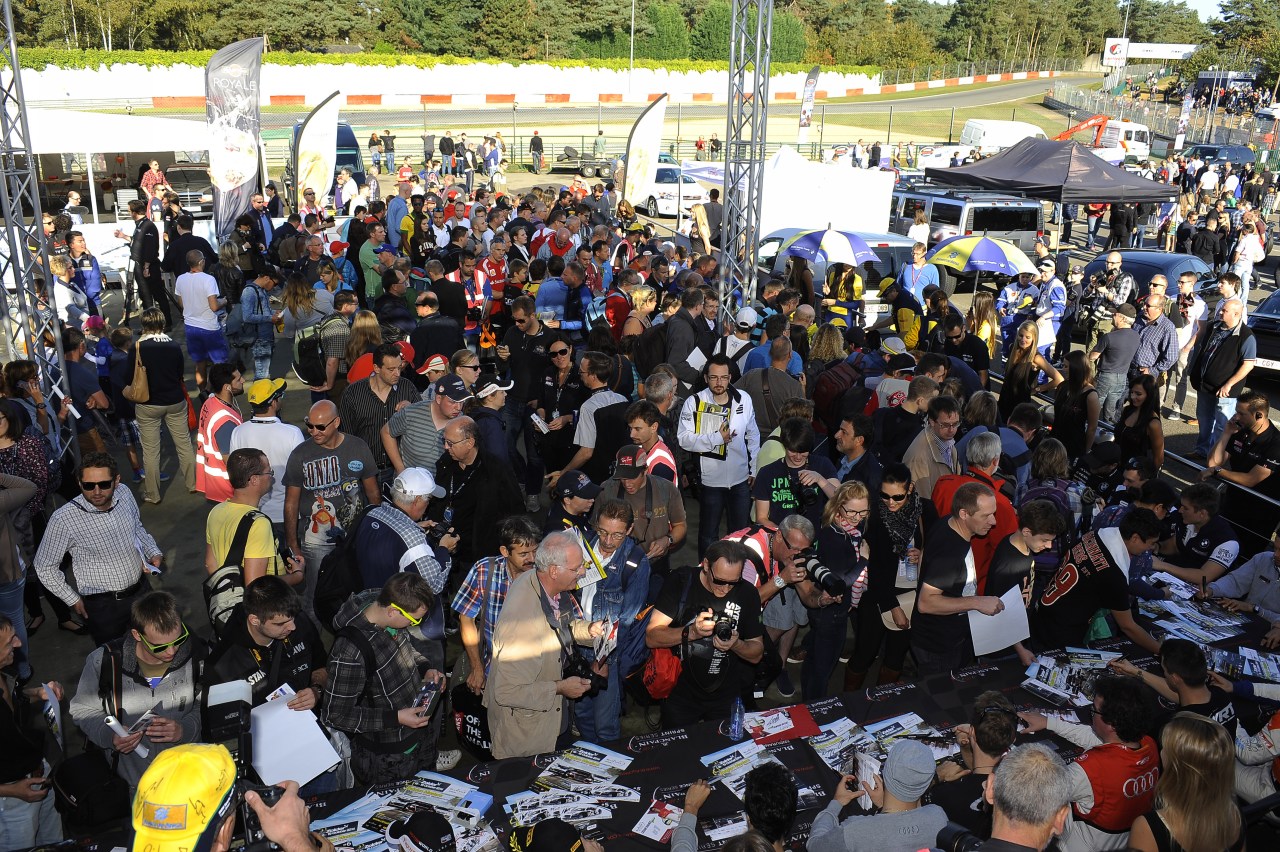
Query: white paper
(288, 745)
(114, 724)
(993, 633)
(696, 359)
(660, 820)
(53, 715)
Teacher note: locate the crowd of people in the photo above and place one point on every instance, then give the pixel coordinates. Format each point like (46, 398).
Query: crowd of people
(513, 404)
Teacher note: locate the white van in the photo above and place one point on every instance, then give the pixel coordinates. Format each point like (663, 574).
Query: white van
(991, 136)
(1129, 138)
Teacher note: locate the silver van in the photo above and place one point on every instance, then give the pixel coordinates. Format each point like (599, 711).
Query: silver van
(952, 212)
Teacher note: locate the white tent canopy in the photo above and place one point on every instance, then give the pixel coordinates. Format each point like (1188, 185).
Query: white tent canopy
(57, 131)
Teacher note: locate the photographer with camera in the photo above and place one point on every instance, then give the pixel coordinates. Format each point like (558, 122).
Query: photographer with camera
(189, 798)
(713, 618)
(1107, 291)
(530, 682)
(798, 483)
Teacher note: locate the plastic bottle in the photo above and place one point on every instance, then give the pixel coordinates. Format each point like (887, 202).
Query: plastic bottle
(735, 720)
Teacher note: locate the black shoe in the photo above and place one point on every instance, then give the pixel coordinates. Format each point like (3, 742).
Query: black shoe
(79, 629)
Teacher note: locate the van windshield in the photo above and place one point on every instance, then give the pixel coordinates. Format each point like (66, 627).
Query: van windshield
(1002, 219)
(350, 158)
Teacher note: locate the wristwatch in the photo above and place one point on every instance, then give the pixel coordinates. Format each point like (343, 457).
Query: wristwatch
(780, 583)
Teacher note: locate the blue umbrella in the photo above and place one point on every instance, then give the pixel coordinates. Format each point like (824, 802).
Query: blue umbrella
(980, 254)
(831, 246)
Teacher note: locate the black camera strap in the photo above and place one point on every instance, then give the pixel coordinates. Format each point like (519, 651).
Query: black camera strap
(558, 625)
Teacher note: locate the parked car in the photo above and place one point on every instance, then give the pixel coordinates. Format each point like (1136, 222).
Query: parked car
(668, 186)
(1142, 264)
(1237, 155)
(1265, 322)
(194, 187)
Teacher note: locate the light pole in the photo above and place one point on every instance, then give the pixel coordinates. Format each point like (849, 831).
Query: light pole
(631, 67)
(1125, 32)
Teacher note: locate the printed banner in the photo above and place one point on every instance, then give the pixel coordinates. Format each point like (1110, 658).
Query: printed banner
(643, 146)
(231, 87)
(806, 105)
(317, 149)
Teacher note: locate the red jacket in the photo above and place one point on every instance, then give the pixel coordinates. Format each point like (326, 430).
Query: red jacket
(984, 546)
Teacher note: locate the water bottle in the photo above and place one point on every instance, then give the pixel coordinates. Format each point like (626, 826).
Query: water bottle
(735, 719)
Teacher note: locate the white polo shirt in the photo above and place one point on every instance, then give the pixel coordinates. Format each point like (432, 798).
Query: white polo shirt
(277, 440)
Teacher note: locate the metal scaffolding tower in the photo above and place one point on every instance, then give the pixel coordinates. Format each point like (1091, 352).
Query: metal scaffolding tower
(744, 146)
(31, 329)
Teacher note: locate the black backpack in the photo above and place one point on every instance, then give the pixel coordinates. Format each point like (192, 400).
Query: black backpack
(651, 349)
(309, 362)
(224, 588)
(339, 575)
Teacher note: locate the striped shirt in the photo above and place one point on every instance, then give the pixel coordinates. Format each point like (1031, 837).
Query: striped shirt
(421, 443)
(106, 546)
(660, 462)
(364, 415)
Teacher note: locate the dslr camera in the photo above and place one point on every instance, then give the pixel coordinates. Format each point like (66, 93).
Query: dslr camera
(724, 627)
(826, 579)
(579, 666)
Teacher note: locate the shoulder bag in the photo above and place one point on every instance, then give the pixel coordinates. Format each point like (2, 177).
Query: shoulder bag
(139, 390)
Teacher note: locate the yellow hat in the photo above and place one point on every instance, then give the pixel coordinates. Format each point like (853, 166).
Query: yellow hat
(263, 389)
(185, 792)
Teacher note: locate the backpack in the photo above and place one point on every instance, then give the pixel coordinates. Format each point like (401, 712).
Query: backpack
(1053, 490)
(309, 362)
(829, 391)
(595, 314)
(651, 349)
(224, 588)
(339, 577)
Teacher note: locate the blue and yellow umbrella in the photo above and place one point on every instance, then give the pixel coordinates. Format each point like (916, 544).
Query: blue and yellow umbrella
(831, 246)
(980, 254)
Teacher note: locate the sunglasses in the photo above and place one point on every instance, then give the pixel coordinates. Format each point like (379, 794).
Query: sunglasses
(953, 336)
(718, 582)
(556, 353)
(893, 498)
(475, 367)
(160, 649)
(413, 622)
(317, 427)
(101, 485)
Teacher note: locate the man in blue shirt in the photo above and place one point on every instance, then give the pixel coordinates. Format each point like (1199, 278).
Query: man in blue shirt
(757, 358)
(918, 275)
(397, 209)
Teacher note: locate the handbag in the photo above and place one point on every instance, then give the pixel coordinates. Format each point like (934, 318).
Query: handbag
(193, 418)
(663, 668)
(906, 600)
(471, 721)
(139, 390)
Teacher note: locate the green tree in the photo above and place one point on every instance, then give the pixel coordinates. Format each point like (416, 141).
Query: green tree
(710, 36)
(789, 41)
(669, 38)
(432, 26)
(978, 29)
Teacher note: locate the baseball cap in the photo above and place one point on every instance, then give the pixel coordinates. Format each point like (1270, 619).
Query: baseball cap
(1127, 310)
(629, 463)
(575, 483)
(908, 770)
(1042, 240)
(635, 227)
(338, 246)
(185, 792)
(1077, 270)
(887, 284)
(1047, 263)
(893, 346)
(425, 831)
(1104, 454)
(435, 362)
(94, 323)
(900, 362)
(747, 318)
(453, 387)
(550, 835)
(489, 385)
(385, 247)
(418, 482)
(264, 389)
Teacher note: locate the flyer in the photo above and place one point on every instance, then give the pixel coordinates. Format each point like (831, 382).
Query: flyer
(659, 821)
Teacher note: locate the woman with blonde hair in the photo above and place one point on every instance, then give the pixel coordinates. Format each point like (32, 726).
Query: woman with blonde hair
(465, 364)
(839, 544)
(982, 322)
(827, 349)
(644, 301)
(1023, 370)
(366, 335)
(919, 230)
(1194, 807)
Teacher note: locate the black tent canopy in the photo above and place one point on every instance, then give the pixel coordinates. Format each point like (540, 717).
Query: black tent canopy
(1054, 171)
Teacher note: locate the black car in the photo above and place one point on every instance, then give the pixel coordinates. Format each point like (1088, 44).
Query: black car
(1142, 264)
(194, 187)
(1265, 322)
(1237, 155)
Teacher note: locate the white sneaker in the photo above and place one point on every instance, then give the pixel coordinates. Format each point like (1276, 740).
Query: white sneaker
(448, 759)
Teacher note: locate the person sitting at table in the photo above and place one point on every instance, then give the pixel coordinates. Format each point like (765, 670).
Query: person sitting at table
(1030, 798)
(551, 834)
(1094, 575)
(1253, 587)
(960, 791)
(770, 797)
(1185, 682)
(1157, 496)
(1204, 545)
(1258, 756)
(1112, 783)
(901, 823)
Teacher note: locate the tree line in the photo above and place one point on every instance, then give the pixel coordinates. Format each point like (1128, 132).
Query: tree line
(904, 34)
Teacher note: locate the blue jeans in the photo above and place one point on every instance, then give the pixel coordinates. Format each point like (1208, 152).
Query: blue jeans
(734, 501)
(827, 629)
(598, 717)
(515, 416)
(1213, 413)
(11, 604)
(1095, 222)
(27, 824)
(1112, 389)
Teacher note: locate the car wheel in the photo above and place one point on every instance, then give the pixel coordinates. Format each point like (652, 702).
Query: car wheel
(947, 280)
(652, 206)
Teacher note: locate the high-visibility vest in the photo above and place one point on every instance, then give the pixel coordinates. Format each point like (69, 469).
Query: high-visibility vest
(476, 289)
(211, 464)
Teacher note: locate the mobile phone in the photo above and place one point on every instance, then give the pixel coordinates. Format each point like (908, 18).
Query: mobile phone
(427, 696)
(851, 768)
(286, 552)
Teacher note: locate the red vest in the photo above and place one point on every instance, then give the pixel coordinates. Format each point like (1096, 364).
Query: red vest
(1123, 781)
(211, 464)
(476, 289)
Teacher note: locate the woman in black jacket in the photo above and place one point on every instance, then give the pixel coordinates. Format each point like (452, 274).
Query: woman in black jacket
(167, 403)
(891, 546)
(840, 550)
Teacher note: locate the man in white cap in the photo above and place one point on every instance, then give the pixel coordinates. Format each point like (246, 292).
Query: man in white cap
(736, 344)
(389, 539)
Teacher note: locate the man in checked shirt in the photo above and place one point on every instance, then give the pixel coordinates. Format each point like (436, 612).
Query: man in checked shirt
(103, 533)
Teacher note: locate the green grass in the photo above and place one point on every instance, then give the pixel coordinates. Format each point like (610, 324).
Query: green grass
(935, 125)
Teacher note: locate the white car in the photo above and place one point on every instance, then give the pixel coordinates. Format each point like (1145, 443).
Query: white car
(1265, 116)
(660, 196)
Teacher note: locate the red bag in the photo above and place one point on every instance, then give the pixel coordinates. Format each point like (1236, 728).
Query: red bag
(193, 416)
(661, 671)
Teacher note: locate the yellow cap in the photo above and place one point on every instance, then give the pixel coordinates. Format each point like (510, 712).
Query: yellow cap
(185, 792)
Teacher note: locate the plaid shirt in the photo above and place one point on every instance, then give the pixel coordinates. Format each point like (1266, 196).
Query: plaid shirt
(1157, 345)
(471, 596)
